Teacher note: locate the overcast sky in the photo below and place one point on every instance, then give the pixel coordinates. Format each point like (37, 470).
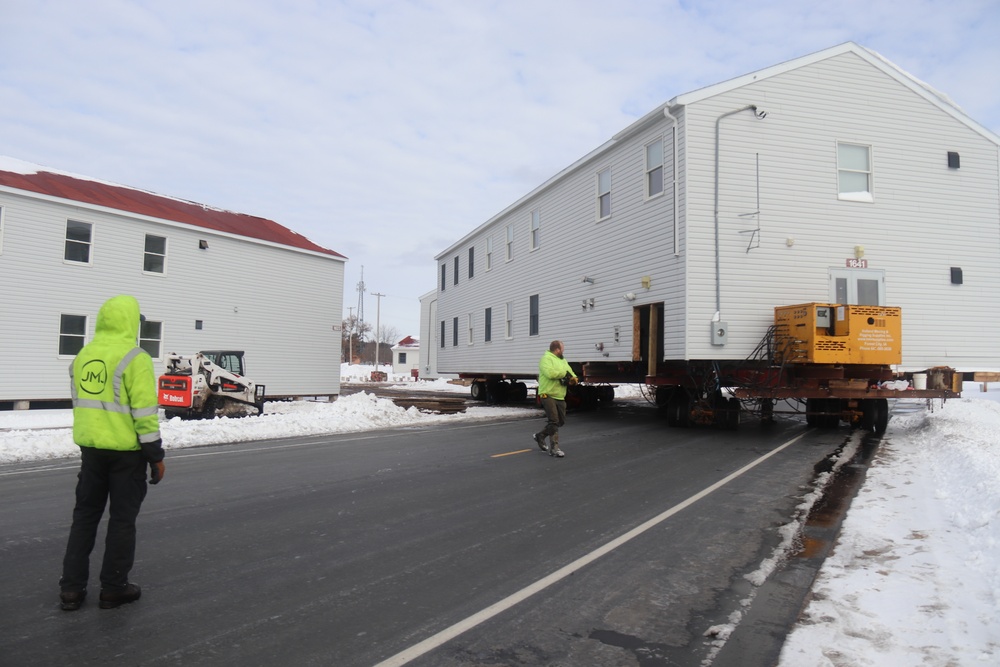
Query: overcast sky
(387, 130)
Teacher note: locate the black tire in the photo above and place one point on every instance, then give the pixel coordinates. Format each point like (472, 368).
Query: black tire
(478, 390)
(881, 416)
(518, 391)
(679, 409)
(663, 395)
(733, 414)
(812, 405)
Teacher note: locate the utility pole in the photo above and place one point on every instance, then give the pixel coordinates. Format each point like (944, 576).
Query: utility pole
(361, 314)
(350, 335)
(378, 313)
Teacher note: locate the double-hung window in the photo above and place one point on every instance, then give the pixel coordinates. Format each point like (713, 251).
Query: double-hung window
(489, 253)
(510, 242)
(154, 259)
(509, 330)
(488, 335)
(854, 172)
(72, 334)
(442, 333)
(454, 332)
(604, 194)
(444, 276)
(79, 236)
(471, 341)
(150, 337)
(472, 261)
(654, 168)
(456, 270)
(536, 229)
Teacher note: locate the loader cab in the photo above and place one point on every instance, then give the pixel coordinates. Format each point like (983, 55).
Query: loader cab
(230, 360)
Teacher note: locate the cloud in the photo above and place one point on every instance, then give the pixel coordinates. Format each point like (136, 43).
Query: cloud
(387, 130)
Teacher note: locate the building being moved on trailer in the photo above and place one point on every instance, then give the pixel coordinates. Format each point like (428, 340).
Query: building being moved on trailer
(835, 178)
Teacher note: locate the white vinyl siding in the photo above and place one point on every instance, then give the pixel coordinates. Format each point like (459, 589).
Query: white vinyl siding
(1, 230)
(785, 167)
(35, 236)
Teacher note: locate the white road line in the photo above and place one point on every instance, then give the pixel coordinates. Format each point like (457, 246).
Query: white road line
(462, 626)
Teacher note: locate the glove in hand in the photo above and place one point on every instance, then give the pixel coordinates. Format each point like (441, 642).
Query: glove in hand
(156, 471)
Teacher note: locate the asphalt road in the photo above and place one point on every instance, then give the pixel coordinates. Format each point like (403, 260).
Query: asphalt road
(352, 549)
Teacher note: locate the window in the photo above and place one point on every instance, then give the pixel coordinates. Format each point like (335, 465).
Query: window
(199, 325)
(454, 332)
(654, 168)
(488, 336)
(536, 224)
(470, 329)
(472, 261)
(150, 337)
(155, 259)
(509, 331)
(444, 276)
(456, 270)
(489, 253)
(72, 333)
(442, 333)
(533, 315)
(510, 242)
(854, 172)
(78, 240)
(402, 357)
(604, 194)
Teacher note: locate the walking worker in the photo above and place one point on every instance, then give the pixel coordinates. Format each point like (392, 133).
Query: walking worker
(554, 376)
(116, 425)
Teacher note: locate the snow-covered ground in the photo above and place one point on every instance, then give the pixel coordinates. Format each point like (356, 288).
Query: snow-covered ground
(914, 578)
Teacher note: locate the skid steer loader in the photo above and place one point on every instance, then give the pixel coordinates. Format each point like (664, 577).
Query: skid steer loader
(208, 384)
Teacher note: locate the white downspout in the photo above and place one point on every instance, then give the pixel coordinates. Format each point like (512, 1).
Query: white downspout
(673, 157)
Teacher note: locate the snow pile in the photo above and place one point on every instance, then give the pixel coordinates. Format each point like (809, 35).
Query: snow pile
(914, 578)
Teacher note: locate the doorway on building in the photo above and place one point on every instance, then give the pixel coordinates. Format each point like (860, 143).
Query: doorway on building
(647, 335)
(863, 287)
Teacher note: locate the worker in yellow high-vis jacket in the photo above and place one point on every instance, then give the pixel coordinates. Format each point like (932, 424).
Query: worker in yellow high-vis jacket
(116, 425)
(554, 376)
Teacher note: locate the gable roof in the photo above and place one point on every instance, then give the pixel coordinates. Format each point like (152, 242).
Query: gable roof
(922, 89)
(409, 341)
(936, 98)
(25, 176)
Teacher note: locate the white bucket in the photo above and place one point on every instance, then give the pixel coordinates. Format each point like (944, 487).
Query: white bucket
(920, 380)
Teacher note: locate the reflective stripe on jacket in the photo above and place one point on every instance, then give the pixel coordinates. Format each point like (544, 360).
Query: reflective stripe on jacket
(550, 368)
(113, 384)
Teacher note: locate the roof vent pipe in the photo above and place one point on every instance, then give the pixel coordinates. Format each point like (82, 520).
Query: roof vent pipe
(759, 114)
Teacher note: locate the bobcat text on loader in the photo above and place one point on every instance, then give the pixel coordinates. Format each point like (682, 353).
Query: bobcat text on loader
(208, 384)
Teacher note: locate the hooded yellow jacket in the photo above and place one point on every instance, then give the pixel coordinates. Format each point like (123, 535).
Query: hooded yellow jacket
(551, 368)
(113, 385)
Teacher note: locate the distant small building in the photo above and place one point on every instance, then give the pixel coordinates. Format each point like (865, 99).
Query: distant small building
(406, 356)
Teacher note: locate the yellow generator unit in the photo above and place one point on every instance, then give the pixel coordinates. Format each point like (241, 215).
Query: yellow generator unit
(824, 333)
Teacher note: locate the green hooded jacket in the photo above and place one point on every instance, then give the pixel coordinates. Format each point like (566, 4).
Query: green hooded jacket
(114, 388)
(551, 368)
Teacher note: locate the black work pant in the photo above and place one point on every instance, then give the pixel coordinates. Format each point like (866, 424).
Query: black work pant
(104, 474)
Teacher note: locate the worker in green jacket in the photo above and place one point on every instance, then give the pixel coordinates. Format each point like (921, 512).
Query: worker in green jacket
(116, 425)
(554, 377)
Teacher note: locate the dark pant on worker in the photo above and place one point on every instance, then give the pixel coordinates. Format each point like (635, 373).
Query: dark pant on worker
(104, 474)
(555, 413)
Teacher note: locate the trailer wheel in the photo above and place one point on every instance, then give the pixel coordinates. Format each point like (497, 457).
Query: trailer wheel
(832, 420)
(875, 415)
(733, 414)
(478, 391)
(518, 391)
(812, 405)
(679, 408)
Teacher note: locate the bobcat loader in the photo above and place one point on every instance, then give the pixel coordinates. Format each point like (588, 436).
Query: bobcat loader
(208, 384)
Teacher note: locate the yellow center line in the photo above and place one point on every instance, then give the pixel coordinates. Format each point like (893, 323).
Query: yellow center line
(520, 451)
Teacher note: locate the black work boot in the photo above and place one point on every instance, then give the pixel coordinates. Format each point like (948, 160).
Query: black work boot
(71, 600)
(116, 598)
